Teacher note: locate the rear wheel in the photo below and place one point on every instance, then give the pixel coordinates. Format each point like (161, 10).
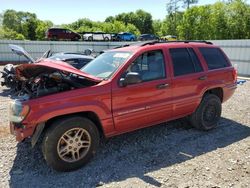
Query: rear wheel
(54, 38)
(90, 38)
(207, 114)
(70, 143)
(75, 39)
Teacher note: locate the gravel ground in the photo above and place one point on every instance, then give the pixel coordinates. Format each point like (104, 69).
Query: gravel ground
(167, 155)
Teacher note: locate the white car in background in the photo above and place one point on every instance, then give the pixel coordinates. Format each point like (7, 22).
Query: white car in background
(97, 36)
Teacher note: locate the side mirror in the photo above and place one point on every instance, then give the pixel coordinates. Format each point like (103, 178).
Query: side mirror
(130, 78)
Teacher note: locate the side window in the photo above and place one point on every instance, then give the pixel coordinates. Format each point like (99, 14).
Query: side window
(195, 59)
(149, 65)
(185, 61)
(214, 57)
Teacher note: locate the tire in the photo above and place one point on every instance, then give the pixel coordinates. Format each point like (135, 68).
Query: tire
(54, 38)
(106, 39)
(132, 39)
(70, 133)
(207, 114)
(90, 38)
(75, 39)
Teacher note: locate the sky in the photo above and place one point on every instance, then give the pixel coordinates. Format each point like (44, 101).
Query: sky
(68, 11)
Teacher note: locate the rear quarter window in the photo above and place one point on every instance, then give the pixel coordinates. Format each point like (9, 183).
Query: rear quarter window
(214, 57)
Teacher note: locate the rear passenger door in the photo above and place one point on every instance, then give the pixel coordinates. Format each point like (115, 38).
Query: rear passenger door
(188, 80)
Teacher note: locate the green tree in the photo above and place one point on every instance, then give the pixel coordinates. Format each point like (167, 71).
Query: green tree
(6, 33)
(21, 22)
(218, 18)
(42, 27)
(239, 19)
(140, 19)
(1, 20)
(195, 24)
(157, 26)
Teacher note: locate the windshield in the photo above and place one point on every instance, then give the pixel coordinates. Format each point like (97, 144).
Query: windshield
(105, 65)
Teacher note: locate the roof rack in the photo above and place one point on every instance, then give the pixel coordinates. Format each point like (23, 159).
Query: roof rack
(152, 42)
(121, 46)
(188, 41)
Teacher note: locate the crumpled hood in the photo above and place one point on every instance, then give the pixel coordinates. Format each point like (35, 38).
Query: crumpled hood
(49, 66)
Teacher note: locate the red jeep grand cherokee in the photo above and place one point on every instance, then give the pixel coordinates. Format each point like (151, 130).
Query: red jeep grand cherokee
(122, 90)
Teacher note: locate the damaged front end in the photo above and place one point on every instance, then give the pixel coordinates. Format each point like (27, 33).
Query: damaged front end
(8, 76)
(48, 77)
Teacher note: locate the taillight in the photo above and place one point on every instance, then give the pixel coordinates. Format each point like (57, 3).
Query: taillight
(235, 74)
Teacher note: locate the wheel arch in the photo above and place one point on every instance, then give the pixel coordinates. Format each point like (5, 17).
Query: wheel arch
(87, 114)
(218, 91)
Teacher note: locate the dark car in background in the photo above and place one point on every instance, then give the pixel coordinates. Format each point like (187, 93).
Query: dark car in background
(126, 36)
(144, 37)
(75, 59)
(62, 34)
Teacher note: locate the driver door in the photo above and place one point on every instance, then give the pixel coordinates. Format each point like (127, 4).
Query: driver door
(146, 103)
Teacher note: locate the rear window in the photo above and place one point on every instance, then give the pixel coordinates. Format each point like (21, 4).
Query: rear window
(214, 57)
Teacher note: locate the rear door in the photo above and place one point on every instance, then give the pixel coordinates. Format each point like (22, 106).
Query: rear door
(189, 79)
(145, 103)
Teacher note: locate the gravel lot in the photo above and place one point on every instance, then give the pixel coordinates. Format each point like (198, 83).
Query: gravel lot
(167, 155)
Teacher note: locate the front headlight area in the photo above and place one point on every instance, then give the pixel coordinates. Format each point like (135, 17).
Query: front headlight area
(18, 111)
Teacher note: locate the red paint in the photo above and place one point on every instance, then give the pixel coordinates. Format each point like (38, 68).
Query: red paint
(123, 109)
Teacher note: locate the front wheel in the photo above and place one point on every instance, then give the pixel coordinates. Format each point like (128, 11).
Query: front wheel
(207, 114)
(70, 143)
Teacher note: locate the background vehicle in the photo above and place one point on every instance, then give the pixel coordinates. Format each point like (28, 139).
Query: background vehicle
(169, 38)
(121, 90)
(115, 37)
(75, 59)
(148, 37)
(125, 36)
(62, 34)
(97, 36)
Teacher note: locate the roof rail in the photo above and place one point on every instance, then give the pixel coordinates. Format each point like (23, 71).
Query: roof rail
(188, 41)
(121, 46)
(152, 42)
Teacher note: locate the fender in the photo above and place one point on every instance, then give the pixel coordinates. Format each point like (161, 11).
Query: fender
(42, 114)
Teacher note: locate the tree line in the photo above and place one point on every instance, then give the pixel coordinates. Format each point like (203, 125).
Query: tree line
(221, 20)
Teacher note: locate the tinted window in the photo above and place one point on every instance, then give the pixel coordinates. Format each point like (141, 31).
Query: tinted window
(149, 65)
(182, 61)
(214, 57)
(195, 59)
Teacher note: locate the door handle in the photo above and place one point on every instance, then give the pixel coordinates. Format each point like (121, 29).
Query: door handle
(162, 86)
(202, 78)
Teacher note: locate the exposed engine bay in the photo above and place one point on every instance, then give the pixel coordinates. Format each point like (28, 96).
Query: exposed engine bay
(49, 83)
(43, 76)
(36, 80)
